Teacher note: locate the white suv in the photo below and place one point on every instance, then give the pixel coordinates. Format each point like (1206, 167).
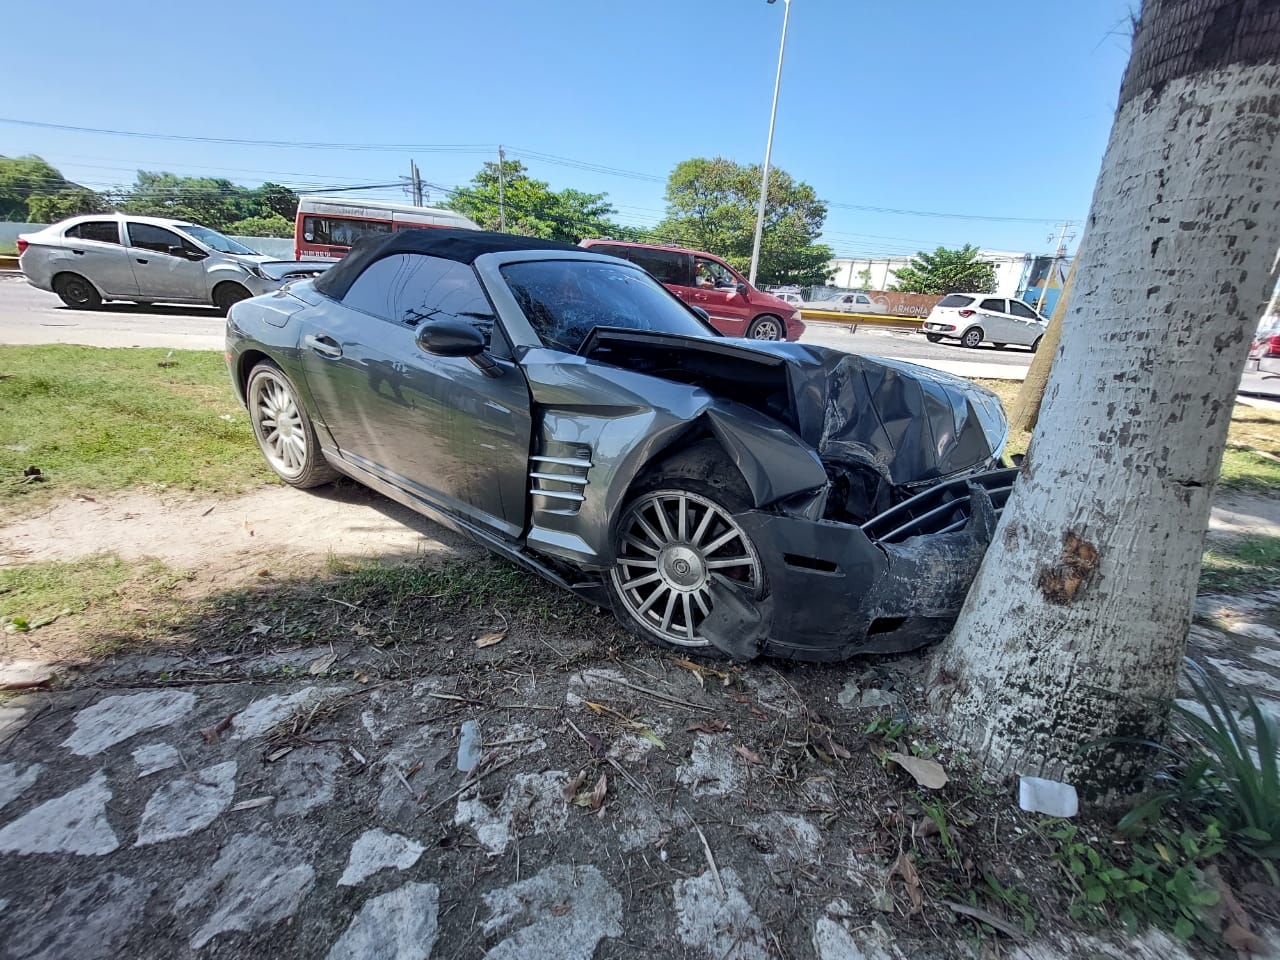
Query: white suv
(974, 318)
(89, 259)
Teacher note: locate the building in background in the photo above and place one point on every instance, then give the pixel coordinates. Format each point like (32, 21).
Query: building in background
(1017, 274)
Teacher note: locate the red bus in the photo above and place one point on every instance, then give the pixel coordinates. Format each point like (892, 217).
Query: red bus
(326, 228)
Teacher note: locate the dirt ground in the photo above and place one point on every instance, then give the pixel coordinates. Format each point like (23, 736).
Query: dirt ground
(311, 765)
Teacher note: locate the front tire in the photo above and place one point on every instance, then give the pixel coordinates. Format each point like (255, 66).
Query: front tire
(1035, 347)
(933, 337)
(675, 535)
(227, 294)
(972, 338)
(283, 429)
(766, 328)
(77, 292)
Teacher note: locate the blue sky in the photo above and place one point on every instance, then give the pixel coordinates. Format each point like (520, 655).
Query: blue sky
(992, 110)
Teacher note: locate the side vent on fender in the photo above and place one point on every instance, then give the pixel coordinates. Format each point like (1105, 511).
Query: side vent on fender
(558, 478)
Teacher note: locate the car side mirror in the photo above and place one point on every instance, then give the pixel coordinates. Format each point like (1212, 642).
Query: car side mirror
(702, 313)
(450, 337)
(187, 253)
(743, 288)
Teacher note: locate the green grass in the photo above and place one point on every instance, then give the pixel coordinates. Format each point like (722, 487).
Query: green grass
(1243, 468)
(8, 250)
(463, 583)
(33, 595)
(1248, 471)
(1241, 566)
(95, 420)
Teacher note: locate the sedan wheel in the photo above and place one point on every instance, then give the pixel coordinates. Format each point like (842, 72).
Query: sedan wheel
(765, 328)
(672, 545)
(972, 337)
(77, 292)
(933, 337)
(283, 429)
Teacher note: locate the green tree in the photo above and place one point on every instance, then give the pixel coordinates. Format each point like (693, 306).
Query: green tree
(947, 271)
(29, 180)
(272, 226)
(532, 207)
(276, 199)
(210, 201)
(711, 205)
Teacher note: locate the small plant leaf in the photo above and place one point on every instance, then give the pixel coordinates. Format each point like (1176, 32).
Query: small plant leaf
(927, 773)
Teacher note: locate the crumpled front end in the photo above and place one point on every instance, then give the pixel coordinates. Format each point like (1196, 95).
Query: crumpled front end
(835, 592)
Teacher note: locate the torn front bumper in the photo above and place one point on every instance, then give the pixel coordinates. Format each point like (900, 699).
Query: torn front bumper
(836, 590)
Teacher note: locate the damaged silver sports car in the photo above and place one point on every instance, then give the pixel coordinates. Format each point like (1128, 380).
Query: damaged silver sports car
(568, 412)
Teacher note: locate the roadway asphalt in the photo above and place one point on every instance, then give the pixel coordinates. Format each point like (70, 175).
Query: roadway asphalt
(28, 315)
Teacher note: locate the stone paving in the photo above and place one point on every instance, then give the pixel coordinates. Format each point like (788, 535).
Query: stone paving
(326, 818)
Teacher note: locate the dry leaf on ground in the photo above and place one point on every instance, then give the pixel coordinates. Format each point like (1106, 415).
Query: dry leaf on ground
(748, 754)
(322, 664)
(211, 734)
(571, 788)
(927, 773)
(903, 867)
(489, 639)
(713, 726)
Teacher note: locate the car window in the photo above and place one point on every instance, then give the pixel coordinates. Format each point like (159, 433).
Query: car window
(338, 231)
(564, 300)
(709, 274)
(666, 266)
(955, 300)
(411, 287)
(862, 298)
(216, 241)
(150, 237)
(1020, 309)
(103, 231)
(995, 306)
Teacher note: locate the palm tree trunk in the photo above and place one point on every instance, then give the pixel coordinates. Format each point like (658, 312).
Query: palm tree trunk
(1076, 625)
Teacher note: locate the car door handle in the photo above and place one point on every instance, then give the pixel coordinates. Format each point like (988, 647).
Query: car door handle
(140, 260)
(323, 345)
(78, 253)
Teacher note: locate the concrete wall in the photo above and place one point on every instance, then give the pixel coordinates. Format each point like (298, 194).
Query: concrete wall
(281, 249)
(9, 231)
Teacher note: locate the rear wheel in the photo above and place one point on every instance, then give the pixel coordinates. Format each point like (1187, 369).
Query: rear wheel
(227, 295)
(676, 537)
(283, 430)
(972, 337)
(933, 337)
(77, 292)
(766, 328)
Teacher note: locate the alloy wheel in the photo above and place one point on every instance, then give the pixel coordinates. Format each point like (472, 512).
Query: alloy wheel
(672, 545)
(766, 328)
(278, 424)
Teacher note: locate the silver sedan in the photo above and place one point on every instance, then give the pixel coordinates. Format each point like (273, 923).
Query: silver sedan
(86, 260)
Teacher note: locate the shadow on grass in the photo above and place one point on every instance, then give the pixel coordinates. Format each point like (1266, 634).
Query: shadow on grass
(1246, 565)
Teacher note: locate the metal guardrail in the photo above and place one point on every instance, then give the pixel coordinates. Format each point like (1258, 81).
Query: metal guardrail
(859, 319)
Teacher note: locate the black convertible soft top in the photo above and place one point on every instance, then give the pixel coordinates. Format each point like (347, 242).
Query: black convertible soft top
(461, 245)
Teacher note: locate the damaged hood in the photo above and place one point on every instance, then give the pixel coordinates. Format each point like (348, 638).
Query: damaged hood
(912, 425)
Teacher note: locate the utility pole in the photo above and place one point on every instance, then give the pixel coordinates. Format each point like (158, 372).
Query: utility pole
(416, 181)
(768, 149)
(502, 191)
(1061, 253)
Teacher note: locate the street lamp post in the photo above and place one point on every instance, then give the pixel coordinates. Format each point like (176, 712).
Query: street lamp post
(768, 150)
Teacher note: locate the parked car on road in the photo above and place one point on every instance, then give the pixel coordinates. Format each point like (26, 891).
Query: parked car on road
(86, 260)
(736, 308)
(975, 318)
(565, 410)
(851, 303)
(1264, 351)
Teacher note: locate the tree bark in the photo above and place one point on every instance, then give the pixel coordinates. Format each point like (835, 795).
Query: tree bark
(1075, 627)
(1026, 408)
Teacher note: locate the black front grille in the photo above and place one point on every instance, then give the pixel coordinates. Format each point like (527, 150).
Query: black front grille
(941, 509)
